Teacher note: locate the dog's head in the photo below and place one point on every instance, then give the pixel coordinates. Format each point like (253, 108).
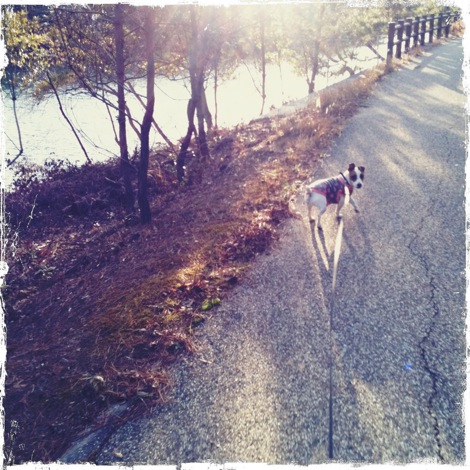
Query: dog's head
(356, 175)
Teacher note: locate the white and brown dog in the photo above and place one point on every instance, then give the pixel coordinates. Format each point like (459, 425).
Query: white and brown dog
(333, 190)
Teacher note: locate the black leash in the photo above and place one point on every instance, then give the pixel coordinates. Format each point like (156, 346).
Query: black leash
(339, 239)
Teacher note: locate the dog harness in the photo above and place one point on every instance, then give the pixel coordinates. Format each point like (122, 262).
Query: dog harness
(332, 188)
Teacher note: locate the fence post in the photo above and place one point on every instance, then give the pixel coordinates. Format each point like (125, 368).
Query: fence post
(401, 27)
(422, 38)
(409, 21)
(391, 38)
(415, 31)
(431, 28)
(439, 25)
(447, 27)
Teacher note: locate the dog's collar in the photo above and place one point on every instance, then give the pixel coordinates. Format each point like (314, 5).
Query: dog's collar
(345, 179)
(349, 185)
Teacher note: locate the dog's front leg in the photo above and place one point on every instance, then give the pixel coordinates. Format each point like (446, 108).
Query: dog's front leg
(340, 206)
(354, 204)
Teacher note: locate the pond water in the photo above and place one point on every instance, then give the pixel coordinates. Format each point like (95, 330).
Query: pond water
(46, 135)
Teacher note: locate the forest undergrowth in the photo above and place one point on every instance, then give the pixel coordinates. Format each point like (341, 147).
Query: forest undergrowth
(99, 307)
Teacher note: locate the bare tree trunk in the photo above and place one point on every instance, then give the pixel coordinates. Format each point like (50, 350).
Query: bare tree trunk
(17, 122)
(181, 160)
(314, 63)
(120, 75)
(51, 83)
(216, 85)
(207, 113)
(196, 74)
(142, 196)
(201, 137)
(315, 58)
(197, 62)
(263, 63)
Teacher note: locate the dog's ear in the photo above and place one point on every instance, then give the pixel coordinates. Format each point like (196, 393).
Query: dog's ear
(362, 169)
(351, 166)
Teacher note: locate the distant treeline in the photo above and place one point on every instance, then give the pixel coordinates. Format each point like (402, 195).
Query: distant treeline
(103, 50)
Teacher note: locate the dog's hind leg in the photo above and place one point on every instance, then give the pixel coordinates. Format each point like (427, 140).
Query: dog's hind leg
(320, 213)
(309, 208)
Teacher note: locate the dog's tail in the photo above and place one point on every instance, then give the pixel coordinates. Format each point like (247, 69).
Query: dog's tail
(292, 209)
(294, 201)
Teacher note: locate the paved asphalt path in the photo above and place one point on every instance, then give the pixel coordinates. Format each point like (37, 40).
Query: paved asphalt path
(260, 390)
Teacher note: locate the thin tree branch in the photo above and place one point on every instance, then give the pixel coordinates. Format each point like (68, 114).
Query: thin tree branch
(157, 127)
(116, 138)
(20, 140)
(69, 61)
(51, 83)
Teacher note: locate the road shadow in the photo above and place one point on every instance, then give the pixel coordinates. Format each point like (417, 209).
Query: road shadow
(324, 258)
